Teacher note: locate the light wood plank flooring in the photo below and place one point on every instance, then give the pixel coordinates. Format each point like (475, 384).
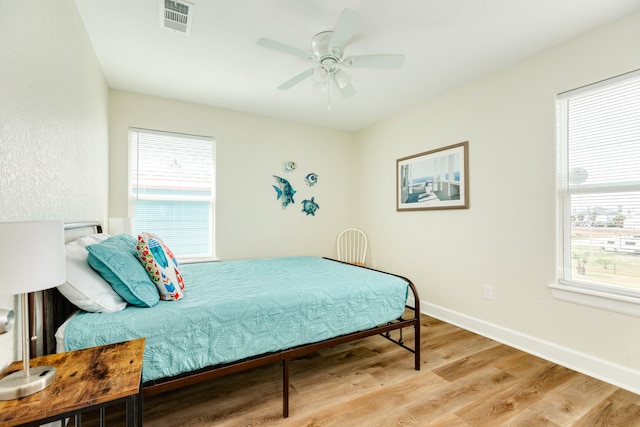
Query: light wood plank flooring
(465, 380)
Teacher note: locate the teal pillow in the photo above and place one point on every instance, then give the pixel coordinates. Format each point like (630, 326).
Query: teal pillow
(116, 261)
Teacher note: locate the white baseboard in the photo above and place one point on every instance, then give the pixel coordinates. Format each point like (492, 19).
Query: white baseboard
(618, 375)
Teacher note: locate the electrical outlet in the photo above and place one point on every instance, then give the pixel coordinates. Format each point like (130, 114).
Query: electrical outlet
(488, 292)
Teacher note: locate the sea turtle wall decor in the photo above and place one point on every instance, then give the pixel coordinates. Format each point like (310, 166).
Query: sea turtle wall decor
(310, 206)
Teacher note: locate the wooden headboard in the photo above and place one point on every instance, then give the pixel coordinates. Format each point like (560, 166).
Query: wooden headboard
(49, 309)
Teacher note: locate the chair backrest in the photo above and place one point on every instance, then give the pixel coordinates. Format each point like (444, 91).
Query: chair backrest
(352, 246)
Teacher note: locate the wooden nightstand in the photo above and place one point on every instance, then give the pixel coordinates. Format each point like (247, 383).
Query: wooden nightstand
(86, 379)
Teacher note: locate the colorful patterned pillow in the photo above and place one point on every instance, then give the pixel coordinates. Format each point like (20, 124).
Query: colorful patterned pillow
(117, 262)
(161, 265)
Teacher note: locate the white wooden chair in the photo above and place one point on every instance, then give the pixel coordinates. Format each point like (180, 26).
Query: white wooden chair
(352, 246)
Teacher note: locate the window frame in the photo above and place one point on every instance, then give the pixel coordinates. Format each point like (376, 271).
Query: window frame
(600, 295)
(133, 196)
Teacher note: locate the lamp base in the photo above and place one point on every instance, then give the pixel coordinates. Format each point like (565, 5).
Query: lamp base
(17, 385)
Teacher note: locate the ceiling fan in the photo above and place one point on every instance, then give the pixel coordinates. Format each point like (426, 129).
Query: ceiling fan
(327, 50)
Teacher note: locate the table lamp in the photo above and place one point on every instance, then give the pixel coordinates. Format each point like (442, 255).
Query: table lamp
(31, 259)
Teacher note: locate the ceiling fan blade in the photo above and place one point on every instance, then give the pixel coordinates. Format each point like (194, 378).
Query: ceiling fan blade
(272, 44)
(346, 27)
(374, 61)
(297, 79)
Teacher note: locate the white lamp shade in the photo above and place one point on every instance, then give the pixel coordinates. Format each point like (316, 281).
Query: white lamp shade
(31, 256)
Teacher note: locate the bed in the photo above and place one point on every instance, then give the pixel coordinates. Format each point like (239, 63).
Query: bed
(237, 315)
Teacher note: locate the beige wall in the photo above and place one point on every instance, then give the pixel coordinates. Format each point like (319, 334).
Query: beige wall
(53, 122)
(250, 222)
(507, 238)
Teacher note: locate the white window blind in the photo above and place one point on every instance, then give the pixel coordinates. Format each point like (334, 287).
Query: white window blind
(172, 189)
(599, 186)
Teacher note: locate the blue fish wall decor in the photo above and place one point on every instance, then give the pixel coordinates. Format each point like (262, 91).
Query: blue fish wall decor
(311, 179)
(284, 191)
(289, 166)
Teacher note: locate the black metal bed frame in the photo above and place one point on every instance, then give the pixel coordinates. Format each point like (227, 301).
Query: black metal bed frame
(58, 309)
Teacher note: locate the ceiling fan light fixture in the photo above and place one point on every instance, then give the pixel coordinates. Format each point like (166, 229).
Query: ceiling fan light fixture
(321, 74)
(342, 79)
(327, 51)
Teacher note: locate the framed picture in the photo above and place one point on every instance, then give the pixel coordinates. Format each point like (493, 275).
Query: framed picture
(436, 179)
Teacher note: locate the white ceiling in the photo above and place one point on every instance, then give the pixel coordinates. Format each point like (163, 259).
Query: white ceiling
(446, 43)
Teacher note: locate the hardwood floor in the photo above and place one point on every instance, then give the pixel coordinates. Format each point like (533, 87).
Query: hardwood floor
(465, 380)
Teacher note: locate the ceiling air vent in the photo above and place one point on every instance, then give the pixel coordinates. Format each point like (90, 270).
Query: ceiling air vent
(176, 15)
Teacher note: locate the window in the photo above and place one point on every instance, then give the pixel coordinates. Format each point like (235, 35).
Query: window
(172, 189)
(599, 191)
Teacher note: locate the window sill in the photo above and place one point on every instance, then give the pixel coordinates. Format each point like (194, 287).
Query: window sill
(593, 298)
(195, 260)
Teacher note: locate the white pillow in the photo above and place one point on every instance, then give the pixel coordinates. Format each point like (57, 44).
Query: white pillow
(84, 286)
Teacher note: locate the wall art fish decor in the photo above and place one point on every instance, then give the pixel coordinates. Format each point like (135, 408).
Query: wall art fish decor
(310, 206)
(311, 179)
(284, 191)
(289, 166)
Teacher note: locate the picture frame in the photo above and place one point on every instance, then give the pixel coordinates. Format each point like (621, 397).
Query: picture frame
(435, 179)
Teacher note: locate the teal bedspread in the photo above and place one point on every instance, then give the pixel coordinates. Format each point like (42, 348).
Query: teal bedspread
(237, 309)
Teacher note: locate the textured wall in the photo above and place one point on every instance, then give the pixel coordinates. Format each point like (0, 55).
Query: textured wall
(53, 122)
